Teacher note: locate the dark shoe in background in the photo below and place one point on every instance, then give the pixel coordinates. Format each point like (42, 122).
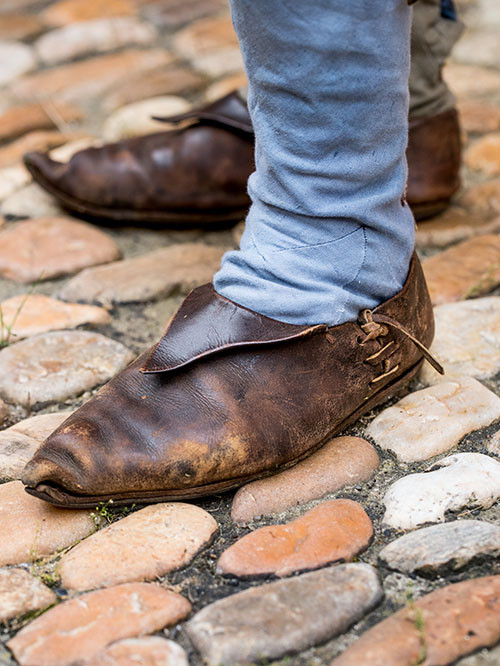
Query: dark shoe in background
(434, 160)
(198, 174)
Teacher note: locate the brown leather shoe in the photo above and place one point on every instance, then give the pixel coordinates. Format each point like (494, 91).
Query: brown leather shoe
(198, 174)
(228, 396)
(194, 175)
(434, 159)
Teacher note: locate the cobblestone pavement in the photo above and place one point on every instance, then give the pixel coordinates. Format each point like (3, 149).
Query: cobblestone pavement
(407, 498)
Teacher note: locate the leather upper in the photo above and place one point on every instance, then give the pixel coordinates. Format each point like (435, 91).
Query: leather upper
(229, 395)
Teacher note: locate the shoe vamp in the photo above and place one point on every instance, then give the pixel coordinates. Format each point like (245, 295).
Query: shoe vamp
(230, 416)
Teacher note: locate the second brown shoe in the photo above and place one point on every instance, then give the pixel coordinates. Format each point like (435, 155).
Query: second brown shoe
(198, 174)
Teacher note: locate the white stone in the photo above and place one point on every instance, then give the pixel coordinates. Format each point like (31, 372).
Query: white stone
(463, 480)
(65, 152)
(433, 420)
(137, 118)
(12, 179)
(467, 340)
(15, 59)
(94, 36)
(30, 201)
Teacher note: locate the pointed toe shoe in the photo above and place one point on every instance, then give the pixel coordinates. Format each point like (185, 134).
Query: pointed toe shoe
(228, 396)
(185, 176)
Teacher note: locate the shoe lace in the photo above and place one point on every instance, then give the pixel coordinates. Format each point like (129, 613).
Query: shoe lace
(375, 325)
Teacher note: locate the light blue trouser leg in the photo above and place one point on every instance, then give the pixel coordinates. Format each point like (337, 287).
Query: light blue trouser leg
(327, 233)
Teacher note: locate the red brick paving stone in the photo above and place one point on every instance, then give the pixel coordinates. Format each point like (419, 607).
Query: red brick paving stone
(88, 78)
(32, 529)
(453, 226)
(65, 12)
(21, 593)
(144, 545)
(49, 247)
(13, 152)
(78, 629)
(173, 13)
(483, 199)
(153, 275)
(331, 532)
(151, 651)
(95, 36)
(31, 314)
(479, 116)
(340, 462)
(269, 621)
(20, 442)
(484, 155)
(22, 119)
(19, 26)
(457, 620)
(471, 268)
(52, 367)
(470, 80)
(171, 81)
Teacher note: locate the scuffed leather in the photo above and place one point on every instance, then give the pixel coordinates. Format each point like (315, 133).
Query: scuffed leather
(434, 159)
(226, 409)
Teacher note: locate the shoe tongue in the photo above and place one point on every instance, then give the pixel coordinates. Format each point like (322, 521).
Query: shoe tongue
(207, 323)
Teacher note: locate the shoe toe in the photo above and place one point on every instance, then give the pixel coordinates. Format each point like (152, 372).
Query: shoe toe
(43, 169)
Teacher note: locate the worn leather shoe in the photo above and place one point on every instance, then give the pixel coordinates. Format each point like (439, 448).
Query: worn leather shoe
(198, 174)
(194, 175)
(228, 396)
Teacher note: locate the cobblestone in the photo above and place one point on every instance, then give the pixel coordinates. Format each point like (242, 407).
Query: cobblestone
(21, 593)
(270, 621)
(148, 544)
(340, 462)
(331, 532)
(36, 529)
(54, 366)
(33, 250)
(80, 628)
(453, 483)
(433, 420)
(437, 548)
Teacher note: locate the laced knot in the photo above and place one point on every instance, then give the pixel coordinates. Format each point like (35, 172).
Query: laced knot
(376, 325)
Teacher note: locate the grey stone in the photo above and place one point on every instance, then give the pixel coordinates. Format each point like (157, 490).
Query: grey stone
(451, 546)
(54, 366)
(272, 620)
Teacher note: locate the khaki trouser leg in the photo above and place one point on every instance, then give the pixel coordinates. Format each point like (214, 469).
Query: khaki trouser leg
(431, 42)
